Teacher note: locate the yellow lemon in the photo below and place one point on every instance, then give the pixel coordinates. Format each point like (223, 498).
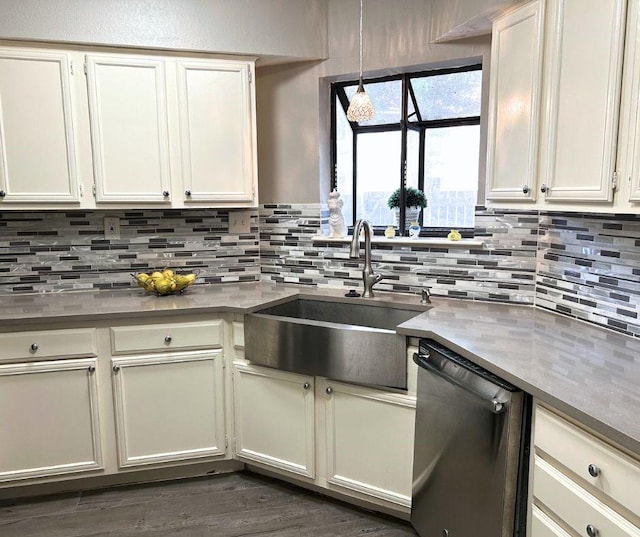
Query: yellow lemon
(142, 279)
(163, 286)
(167, 273)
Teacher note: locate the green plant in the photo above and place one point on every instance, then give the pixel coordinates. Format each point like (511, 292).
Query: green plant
(412, 197)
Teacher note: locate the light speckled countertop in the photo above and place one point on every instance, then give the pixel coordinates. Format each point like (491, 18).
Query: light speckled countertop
(588, 372)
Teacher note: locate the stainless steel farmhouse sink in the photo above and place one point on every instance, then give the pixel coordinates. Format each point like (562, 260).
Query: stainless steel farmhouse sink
(352, 342)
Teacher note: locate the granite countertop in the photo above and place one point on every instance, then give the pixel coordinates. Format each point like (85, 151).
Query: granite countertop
(590, 373)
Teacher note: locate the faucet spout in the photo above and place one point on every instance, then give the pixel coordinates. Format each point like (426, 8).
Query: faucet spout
(369, 278)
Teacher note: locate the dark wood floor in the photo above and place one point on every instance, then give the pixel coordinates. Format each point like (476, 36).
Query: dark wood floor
(227, 505)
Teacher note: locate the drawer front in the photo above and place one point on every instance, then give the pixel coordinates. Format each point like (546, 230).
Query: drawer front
(47, 344)
(575, 506)
(167, 337)
(618, 476)
(543, 526)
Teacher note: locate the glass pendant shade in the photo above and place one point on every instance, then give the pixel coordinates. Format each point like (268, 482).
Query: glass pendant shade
(361, 108)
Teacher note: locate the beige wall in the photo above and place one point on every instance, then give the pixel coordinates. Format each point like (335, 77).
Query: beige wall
(293, 100)
(282, 28)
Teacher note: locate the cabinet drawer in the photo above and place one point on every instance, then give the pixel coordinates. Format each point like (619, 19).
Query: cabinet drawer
(167, 337)
(575, 506)
(544, 526)
(617, 475)
(47, 344)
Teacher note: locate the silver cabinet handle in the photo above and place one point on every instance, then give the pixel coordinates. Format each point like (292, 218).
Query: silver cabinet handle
(594, 471)
(165, 193)
(329, 390)
(592, 531)
(544, 188)
(2, 193)
(116, 368)
(168, 339)
(306, 385)
(91, 368)
(34, 347)
(187, 193)
(526, 189)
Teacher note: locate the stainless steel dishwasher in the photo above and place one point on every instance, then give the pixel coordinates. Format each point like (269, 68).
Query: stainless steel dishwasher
(471, 450)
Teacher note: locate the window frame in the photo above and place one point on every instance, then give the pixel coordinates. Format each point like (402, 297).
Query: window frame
(338, 94)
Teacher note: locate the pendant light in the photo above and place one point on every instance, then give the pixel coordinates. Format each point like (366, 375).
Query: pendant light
(360, 109)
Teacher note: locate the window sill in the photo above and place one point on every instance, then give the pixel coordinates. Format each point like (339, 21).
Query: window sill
(436, 242)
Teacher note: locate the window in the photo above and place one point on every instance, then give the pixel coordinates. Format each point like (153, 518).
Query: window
(426, 134)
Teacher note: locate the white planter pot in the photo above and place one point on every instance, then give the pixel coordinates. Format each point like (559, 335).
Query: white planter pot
(411, 214)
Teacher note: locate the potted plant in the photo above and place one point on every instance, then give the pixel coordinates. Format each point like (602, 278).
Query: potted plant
(414, 201)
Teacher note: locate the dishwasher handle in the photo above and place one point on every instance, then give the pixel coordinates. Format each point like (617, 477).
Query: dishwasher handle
(422, 360)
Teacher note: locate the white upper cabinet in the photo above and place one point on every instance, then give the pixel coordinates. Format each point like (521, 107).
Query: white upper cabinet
(143, 130)
(516, 68)
(37, 139)
(129, 130)
(553, 122)
(583, 70)
(630, 115)
(217, 136)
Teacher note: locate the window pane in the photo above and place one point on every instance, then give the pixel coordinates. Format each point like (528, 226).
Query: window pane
(378, 175)
(386, 98)
(451, 176)
(452, 95)
(344, 162)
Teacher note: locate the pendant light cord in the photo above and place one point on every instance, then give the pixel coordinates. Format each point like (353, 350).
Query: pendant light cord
(361, 8)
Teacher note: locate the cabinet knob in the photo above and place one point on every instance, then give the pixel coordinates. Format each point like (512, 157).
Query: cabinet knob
(116, 368)
(165, 193)
(187, 193)
(91, 368)
(592, 531)
(306, 385)
(34, 347)
(329, 390)
(2, 193)
(167, 339)
(526, 189)
(544, 188)
(594, 471)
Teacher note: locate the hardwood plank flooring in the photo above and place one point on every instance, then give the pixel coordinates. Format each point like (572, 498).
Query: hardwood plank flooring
(229, 505)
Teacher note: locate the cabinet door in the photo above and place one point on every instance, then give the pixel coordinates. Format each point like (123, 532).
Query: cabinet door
(274, 419)
(514, 109)
(37, 143)
(369, 441)
(583, 67)
(129, 133)
(169, 408)
(49, 419)
(630, 115)
(217, 137)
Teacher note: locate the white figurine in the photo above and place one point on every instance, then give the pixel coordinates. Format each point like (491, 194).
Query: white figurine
(337, 227)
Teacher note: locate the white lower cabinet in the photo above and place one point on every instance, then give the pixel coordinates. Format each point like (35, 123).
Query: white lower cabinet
(361, 444)
(49, 418)
(274, 419)
(581, 486)
(169, 407)
(369, 440)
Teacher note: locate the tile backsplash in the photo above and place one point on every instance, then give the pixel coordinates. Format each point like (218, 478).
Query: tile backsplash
(583, 265)
(62, 251)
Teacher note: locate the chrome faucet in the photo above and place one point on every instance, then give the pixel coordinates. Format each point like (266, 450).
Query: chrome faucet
(369, 278)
